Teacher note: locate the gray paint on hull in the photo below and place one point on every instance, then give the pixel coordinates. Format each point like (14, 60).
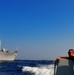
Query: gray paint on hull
(64, 67)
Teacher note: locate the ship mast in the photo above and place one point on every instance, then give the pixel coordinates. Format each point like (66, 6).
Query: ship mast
(0, 44)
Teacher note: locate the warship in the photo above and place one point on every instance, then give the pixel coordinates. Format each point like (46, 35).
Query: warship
(6, 55)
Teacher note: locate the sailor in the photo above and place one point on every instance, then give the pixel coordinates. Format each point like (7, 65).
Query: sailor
(70, 55)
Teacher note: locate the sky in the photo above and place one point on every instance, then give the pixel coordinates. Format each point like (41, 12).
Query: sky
(40, 29)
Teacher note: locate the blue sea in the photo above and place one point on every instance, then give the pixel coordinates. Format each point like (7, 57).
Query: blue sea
(27, 67)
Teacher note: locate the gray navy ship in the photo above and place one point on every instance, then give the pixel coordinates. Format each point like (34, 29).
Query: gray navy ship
(6, 55)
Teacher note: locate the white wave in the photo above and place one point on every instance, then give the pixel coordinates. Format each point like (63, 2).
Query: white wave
(41, 70)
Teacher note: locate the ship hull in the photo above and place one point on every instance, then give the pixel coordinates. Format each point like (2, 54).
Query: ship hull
(7, 56)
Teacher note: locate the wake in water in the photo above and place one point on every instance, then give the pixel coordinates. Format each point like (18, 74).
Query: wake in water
(40, 70)
(27, 67)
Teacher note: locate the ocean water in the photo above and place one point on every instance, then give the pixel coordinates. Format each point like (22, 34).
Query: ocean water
(27, 67)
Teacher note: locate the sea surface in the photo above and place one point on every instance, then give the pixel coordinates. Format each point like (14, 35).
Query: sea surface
(27, 67)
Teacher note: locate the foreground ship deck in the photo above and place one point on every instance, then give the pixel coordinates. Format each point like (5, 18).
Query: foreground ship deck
(64, 67)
